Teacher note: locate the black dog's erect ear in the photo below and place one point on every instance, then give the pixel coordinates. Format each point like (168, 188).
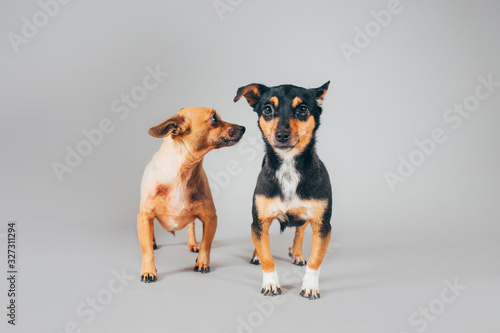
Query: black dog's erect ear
(251, 92)
(174, 125)
(320, 92)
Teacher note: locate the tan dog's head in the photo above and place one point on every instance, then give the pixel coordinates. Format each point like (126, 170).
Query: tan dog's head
(201, 129)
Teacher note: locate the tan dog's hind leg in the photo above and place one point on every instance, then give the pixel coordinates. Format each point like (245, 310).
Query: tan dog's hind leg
(295, 252)
(146, 236)
(310, 282)
(192, 243)
(270, 281)
(209, 227)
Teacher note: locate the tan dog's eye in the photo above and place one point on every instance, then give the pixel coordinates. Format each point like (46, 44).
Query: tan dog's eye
(214, 119)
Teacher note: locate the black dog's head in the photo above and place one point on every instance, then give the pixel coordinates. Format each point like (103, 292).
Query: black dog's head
(288, 115)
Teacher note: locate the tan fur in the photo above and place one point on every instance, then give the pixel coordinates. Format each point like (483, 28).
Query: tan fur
(262, 247)
(319, 245)
(269, 209)
(300, 133)
(251, 94)
(295, 251)
(296, 101)
(275, 101)
(175, 189)
(322, 97)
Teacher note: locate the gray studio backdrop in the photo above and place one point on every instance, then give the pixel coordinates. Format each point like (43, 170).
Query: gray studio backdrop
(410, 136)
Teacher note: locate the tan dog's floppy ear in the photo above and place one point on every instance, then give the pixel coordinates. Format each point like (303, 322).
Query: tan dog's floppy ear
(174, 125)
(320, 92)
(251, 92)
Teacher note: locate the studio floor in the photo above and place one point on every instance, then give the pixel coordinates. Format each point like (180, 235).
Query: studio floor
(370, 282)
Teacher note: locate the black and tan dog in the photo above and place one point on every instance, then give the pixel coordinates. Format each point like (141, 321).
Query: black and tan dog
(293, 186)
(174, 187)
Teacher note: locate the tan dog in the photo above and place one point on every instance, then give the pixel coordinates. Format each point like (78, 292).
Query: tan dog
(174, 187)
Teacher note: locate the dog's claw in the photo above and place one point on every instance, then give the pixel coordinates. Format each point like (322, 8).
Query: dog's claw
(296, 259)
(148, 278)
(311, 294)
(255, 260)
(271, 290)
(155, 247)
(202, 269)
(195, 248)
(299, 261)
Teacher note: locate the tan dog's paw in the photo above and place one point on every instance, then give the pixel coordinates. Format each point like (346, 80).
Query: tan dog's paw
(194, 247)
(202, 268)
(255, 260)
(148, 273)
(298, 260)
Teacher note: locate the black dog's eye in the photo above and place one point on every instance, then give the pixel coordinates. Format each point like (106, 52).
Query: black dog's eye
(302, 110)
(214, 119)
(267, 109)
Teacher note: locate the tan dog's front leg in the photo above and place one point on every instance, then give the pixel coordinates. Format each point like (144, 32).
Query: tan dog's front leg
(209, 227)
(146, 236)
(192, 243)
(260, 236)
(310, 282)
(295, 252)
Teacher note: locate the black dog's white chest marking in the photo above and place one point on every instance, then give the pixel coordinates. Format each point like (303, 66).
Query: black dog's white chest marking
(288, 178)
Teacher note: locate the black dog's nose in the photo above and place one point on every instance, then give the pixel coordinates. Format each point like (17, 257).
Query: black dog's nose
(282, 136)
(241, 129)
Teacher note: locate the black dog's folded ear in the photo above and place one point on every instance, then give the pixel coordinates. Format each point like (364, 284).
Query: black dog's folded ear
(251, 92)
(320, 92)
(175, 125)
